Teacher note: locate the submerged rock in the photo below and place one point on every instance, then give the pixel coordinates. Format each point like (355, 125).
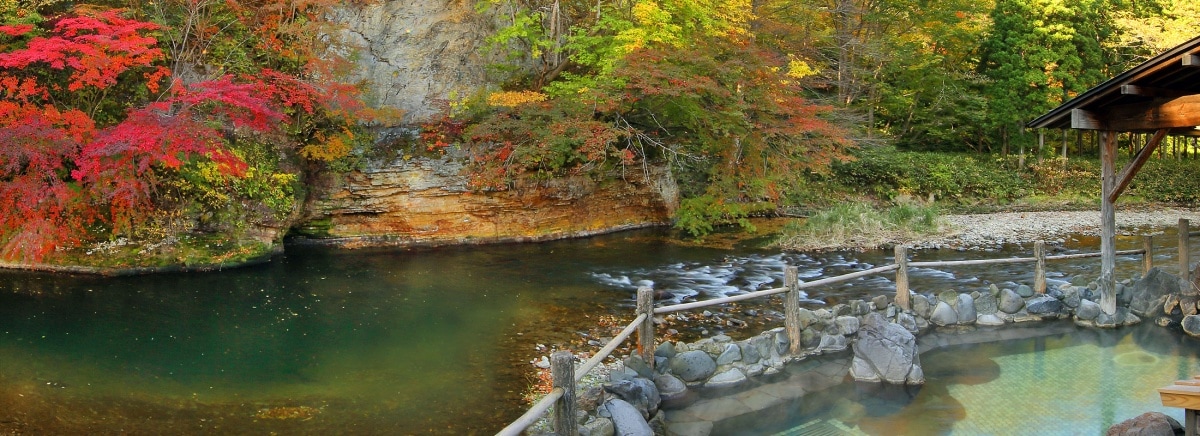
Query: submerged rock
(732, 378)
(1147, 424)
(1191, 325)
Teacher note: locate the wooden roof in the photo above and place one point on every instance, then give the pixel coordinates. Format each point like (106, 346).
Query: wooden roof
(1162, 93)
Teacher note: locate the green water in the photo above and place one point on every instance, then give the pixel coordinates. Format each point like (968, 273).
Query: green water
(374, 341)
(1069, 384)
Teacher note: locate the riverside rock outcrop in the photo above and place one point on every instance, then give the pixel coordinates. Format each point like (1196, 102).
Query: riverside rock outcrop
(887, 352)
(426, 202)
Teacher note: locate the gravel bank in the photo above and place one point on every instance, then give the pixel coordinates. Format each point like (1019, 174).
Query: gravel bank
(990, 230)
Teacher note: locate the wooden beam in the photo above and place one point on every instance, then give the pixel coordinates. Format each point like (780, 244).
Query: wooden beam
(1134, 165)
(1150, 91)
(1086, 120)
(1191, 60)
(1158, 114)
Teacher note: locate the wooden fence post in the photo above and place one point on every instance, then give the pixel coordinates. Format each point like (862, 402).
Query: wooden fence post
(645, 305)
(902, 298)
(791, 307)
(1184, 250)
(1039, 271)
(1148, 256)
(562, 369)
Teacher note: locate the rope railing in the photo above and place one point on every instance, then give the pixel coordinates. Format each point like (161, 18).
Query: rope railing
(562, 396)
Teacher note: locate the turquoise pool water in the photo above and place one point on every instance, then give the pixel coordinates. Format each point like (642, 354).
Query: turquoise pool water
(1078, 383)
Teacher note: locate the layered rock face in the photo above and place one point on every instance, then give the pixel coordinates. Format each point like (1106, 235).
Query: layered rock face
(426, 201)
(415, 53)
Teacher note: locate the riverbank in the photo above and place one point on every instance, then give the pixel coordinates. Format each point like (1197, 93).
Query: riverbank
(987, 231)
(979, 231)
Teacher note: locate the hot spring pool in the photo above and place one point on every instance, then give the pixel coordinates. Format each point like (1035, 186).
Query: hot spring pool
(1074, 383)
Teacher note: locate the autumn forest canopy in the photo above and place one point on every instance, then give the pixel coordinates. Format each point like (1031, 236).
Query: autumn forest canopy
(162, 120)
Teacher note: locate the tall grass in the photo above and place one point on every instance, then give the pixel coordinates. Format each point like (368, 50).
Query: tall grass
(860, 226)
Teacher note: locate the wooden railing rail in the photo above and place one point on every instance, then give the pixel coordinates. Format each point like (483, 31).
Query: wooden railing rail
(562, 396)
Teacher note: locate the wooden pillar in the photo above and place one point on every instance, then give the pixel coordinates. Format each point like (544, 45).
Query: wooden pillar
(645, 305)
(1108, 222)
(1148, 254)
(1064, 151)
(1039, 271)
(1185, 252)
(902, 297)
(791, 308)
(1041, 145)
(562, 370)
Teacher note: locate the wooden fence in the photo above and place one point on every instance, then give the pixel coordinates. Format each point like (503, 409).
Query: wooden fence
(565, 376)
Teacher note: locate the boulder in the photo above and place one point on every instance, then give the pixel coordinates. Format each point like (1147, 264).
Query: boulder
(1010, 302)
(986, 304)
(665, 349)
(732, 378)
(921, 306)
(847, 325)
(597, 427)
(944, 315)
(806, 318)
(1071, 296)
(859, 307)
(1043, 305)
(626, 418)
(880, 301)
(693, 365)
(1191, 325)
(1024, 291)
(908, 322)
(831, 343)
(672, 392)
(749, 352)
(886, 352)
(636, 363)
(732, 353)
(965, 309)
(640, 393)
(1147, 424)
(1148, 295)
(1088, 310)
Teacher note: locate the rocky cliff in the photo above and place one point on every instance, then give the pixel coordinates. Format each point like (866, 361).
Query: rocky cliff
(425, 201)
(416, 53)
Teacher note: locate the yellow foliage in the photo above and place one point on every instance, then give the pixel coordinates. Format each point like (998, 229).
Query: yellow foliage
(514, 98)
(798, 69)
(329, 149)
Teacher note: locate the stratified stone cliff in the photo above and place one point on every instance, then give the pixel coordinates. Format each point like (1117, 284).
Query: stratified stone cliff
(417, 55)
(425, 201)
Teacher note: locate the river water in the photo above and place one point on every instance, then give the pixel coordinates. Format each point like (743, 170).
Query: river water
(433, 341)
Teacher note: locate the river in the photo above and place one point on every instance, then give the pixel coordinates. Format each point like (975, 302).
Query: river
(431, 341)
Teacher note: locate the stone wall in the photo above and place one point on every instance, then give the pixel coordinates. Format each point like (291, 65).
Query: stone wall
(426, 202)
(721, 364)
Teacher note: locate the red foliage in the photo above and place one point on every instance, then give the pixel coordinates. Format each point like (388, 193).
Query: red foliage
(96, 48)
